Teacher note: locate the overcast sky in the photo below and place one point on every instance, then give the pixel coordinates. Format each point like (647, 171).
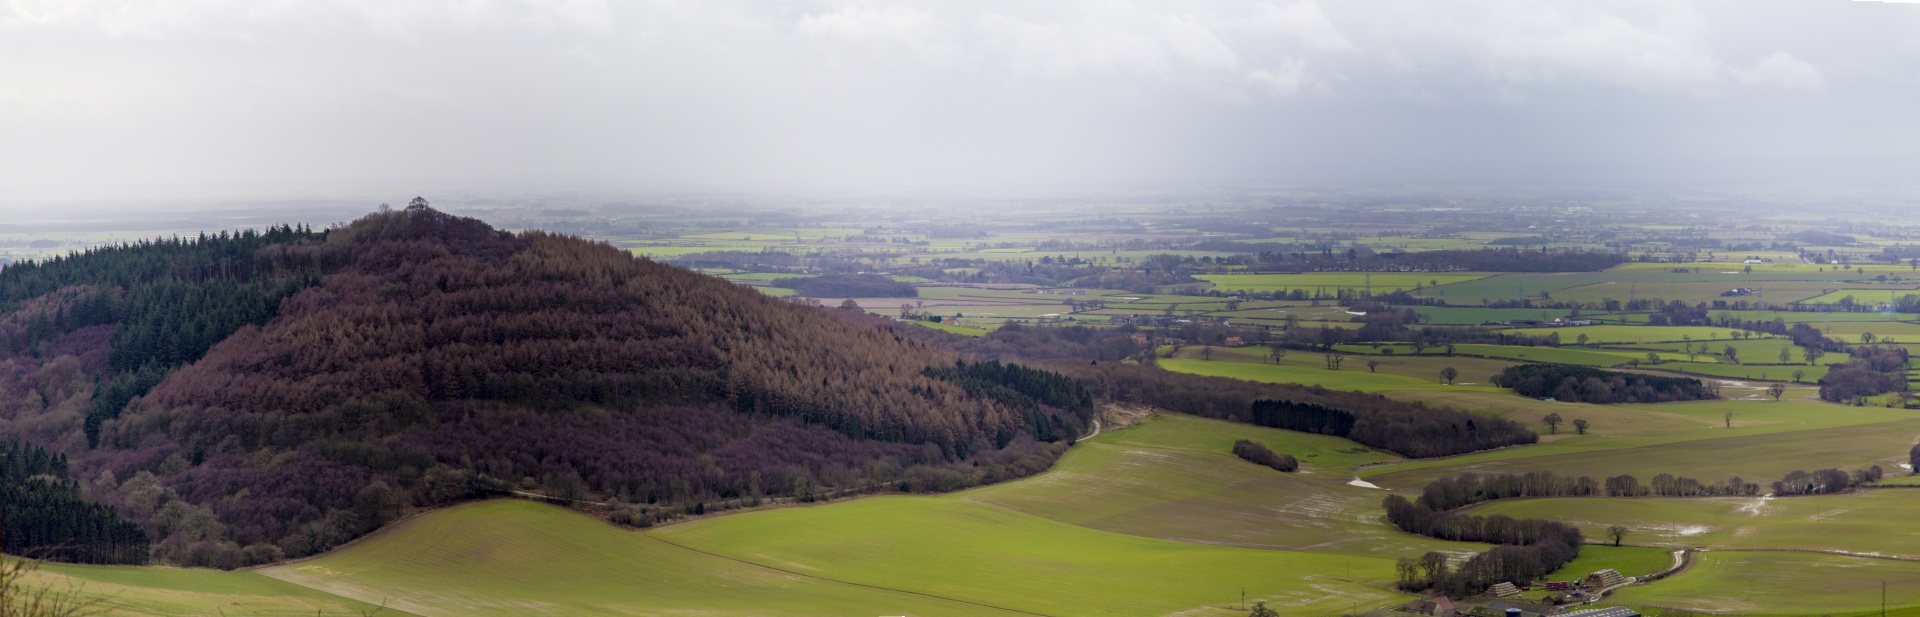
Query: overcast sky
(105, 98)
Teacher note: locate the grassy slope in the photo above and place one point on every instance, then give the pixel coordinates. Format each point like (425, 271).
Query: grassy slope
(522, 558)
(953, 547)
(130, 590)
(1784, 583)
(1173, 477)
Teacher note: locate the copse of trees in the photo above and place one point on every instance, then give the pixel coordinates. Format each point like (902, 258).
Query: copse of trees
(1261, 455)
(1570, 383)
(848, 286)
(45, 516)
(1871, 371)
(1416, 432)
(1825, 481)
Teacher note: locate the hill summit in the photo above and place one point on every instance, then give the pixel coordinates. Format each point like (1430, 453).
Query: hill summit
(250, 397)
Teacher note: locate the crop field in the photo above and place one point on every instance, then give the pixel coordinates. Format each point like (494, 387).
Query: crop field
(1330, 281)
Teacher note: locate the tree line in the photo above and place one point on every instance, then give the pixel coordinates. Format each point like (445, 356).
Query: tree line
(45, 516)
(1526, 550)
(1570, 383)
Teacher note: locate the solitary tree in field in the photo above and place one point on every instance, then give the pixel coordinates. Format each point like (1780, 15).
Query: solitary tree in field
(1580, 426)
(1786, 354)
(1797, 374)
(1372, 364)
(1553, 423)
(1813, 354)
(1776, 390)
(1728, 416)
(1448, 375)
(1276, 353)
(1617, 532)
(1580, 340)
(1733, 355)
(1866, 337)
(1653, 357)
(1206, 353)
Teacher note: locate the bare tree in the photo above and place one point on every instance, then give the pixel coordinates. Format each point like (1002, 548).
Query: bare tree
(1449, 374)
(1553, 423)
(1580, 426)
(1372, 364)
(1728, 415)
(1776, 390)
(1617, 532)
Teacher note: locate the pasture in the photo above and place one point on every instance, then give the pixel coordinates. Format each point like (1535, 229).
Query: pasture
(1380, 282)
(152, 591)
(1769, 583)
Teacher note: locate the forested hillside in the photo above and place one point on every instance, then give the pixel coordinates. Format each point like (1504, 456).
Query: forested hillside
(248, 398)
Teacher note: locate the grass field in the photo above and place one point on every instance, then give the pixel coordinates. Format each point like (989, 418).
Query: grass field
(1768, 440)
(1867, 297)
(950, 547)
(1584, 356)
(1395, 372)
(509, 557)
(1173, 477)
(1855, 522)
(1783, 584)
(1330, 281)
(128, 590)
(1600, 335)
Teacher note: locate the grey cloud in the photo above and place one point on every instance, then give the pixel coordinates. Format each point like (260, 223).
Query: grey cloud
(109, 97)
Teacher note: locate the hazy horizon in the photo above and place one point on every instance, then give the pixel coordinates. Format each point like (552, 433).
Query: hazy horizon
(119, 102)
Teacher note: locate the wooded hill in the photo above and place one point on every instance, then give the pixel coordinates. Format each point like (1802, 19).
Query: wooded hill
(250, 397)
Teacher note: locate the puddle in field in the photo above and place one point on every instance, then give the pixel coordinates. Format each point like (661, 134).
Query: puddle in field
(1362, 483)
(1756, 507)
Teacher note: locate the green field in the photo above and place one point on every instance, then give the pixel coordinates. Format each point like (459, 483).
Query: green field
(1395, 372)
(1600, 335)
(1783, 584)
(1867, 297)
(511, 557)
(1854, 522)
(1768, 439)
(1381, 282)
(127, 590)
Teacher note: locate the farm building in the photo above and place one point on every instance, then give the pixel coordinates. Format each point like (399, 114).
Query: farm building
(1503, 589)
(1527, 609)
(1605, 578)
(1616, 611)
(1441, 606)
